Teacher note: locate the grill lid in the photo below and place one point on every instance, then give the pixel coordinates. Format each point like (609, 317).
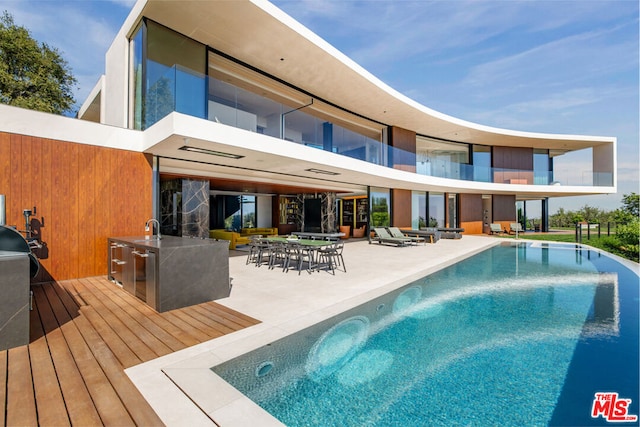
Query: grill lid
(11, 240)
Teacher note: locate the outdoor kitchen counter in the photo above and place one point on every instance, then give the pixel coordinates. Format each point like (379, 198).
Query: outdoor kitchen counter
(170, 273)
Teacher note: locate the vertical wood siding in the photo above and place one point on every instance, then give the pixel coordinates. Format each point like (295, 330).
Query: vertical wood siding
(83, 194)
(471, 213)
(401, 208)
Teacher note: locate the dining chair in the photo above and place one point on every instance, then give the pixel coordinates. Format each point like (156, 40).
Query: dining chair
(332, 256)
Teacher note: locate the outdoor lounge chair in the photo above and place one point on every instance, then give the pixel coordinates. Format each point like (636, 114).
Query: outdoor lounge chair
(515, 227)
(383, 236)
(496, 228)
(396, 232)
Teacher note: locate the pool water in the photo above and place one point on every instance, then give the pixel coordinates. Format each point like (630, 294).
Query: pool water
(521, 334)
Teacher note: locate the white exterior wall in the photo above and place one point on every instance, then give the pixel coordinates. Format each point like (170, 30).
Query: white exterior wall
(115, 95)
(604, 161)
(263, 206)
(44, 125)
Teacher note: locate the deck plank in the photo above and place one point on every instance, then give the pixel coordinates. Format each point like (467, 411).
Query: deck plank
(197, 321)
(231, 315)
(76, 396)
(171, 335)
(203, 315)
(221, 317)
(149, 339)
(132, 341)
(109, 406)
(83, 334)
(49, 400)
(21, 404)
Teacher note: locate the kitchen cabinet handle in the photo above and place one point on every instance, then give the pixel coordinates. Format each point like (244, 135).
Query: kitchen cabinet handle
(140, 254)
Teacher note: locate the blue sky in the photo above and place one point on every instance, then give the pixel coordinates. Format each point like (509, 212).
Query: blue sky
(568, 67)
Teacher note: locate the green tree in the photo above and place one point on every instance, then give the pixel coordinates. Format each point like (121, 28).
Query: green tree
(630, 210)
(631, 204)
(32, 75)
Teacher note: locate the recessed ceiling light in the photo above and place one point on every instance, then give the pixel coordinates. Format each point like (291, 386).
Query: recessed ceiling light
(320, 171)
(210, 152)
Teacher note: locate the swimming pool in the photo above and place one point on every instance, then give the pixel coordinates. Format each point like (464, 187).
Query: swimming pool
(521, 334)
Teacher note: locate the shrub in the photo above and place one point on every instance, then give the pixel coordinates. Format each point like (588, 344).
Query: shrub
(625, 242)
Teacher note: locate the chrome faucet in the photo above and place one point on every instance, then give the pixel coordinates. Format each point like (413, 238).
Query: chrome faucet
(146, 227)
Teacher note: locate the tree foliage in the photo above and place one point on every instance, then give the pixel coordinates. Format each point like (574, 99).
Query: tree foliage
(32, 75)
(631, 204)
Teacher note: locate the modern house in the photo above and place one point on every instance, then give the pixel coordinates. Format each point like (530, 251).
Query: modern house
(231, 115)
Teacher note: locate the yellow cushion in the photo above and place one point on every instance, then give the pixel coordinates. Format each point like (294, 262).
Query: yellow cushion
(233, 237)
(265, 231)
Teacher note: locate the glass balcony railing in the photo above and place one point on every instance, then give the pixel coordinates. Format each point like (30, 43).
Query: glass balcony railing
(176, 89)
(181, 90)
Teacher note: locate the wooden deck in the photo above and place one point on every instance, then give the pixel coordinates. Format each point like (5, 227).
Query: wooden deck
(84, 333)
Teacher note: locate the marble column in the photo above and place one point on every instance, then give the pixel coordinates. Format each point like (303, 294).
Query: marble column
(184, 207)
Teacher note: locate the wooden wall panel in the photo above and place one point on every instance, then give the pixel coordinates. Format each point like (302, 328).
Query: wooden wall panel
(404, 140)
(16, 171)
(504, 208)
(513, 158)
(86, 206)
(470, 207)
(83, 195)
(471, 227)
(102, 227)
(401, 209)
(470, 211)
(45, 204)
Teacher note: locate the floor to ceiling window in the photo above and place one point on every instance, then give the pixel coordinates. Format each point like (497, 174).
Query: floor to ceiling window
(436, 209)
(168, 74)
(232, 212)
(541, 167)
(248, 211)
(452, 209)
(418, 209)
(380, 208)
(482, 163)
(443, 159)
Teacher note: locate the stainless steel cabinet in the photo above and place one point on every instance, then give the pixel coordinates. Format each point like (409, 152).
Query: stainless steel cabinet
(145, 276)
(121, 264)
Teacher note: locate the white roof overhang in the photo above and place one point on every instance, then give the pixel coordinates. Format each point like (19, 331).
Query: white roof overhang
(261, 35)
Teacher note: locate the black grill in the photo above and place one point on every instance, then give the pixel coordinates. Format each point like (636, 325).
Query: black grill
(11, 240)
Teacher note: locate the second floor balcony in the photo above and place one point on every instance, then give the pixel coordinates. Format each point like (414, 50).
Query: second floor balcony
(182, 90)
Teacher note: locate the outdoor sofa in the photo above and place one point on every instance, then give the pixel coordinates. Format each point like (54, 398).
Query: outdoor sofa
(451, 233)
(430, 235)
(259, 231)
(233, 237)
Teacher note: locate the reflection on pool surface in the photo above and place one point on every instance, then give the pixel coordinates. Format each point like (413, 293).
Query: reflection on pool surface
(517, 335)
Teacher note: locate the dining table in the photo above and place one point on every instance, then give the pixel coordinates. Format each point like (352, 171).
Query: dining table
(326, 236)
(313, 246)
